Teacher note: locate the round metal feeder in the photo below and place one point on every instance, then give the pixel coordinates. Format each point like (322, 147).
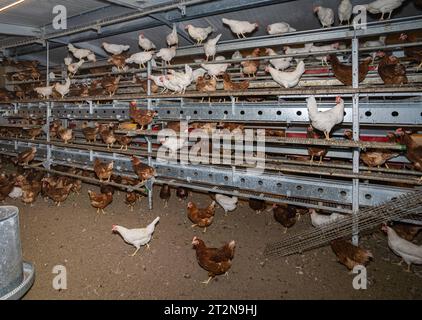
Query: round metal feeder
(16, 276)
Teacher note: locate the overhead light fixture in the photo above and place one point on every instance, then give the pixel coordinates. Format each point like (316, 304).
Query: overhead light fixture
(11, 5)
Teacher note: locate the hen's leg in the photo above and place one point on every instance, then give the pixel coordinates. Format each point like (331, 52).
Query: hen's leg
(312, 159)
(389, 16)
(102, 211)
(136, 251)
(400, 263)
(207, 281)
(327, 135)
(320, 160)
(194, 225)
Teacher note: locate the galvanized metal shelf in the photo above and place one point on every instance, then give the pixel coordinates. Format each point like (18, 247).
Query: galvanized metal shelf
(329, 190)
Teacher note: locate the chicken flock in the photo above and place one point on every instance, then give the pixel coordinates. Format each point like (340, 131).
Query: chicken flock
(27, 184)
(286, 68)
(282, 68)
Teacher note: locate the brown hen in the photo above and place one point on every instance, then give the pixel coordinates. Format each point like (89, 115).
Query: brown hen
(143, 171)
(216, 261)
(100, 200)
(391, 70)
(343, 72)
(349, 255)
(201, 217)
(141, 117)
(103, 170)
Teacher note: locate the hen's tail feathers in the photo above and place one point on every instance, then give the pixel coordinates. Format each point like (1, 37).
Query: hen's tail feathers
(155, 221)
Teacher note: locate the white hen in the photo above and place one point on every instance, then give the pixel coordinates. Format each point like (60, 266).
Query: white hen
(140, 58)
(325, 120)
(172, 38)
(305, 49)
(158, 81)
(63, 89)
(16, 193)
(210, 47)
(375, 43)
(167, 54)
(137, 237)
(74, 67)
(279, 28)
(180, 79)
(239, 28)
(217, 68)
(278, 63)
(145, 43)
(79, 53)
(168, 84)
(67, 61)
(319, 220)
(325, 48)
(198, 34)
(325, 16)
(287, 79)
(115, 48)
(383, 7)
(345, 10)
(200, 72)
(91, 57)
(237, 55)
(45, 92)
(226, 202)
(408, 251)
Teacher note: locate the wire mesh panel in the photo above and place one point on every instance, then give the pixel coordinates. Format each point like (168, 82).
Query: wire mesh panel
(400, 207)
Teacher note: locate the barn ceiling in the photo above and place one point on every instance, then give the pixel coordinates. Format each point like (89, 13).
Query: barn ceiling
(31, 15)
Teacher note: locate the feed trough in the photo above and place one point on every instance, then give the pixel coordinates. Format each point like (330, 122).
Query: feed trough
(16, 276)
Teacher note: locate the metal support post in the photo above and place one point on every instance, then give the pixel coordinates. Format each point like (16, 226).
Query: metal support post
(149, 106)
(356, 151)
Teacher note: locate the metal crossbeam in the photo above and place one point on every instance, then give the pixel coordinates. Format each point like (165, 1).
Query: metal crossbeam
(377, 112)
(18, 30)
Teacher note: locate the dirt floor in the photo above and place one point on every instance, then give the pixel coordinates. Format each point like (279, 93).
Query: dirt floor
(99, 266)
